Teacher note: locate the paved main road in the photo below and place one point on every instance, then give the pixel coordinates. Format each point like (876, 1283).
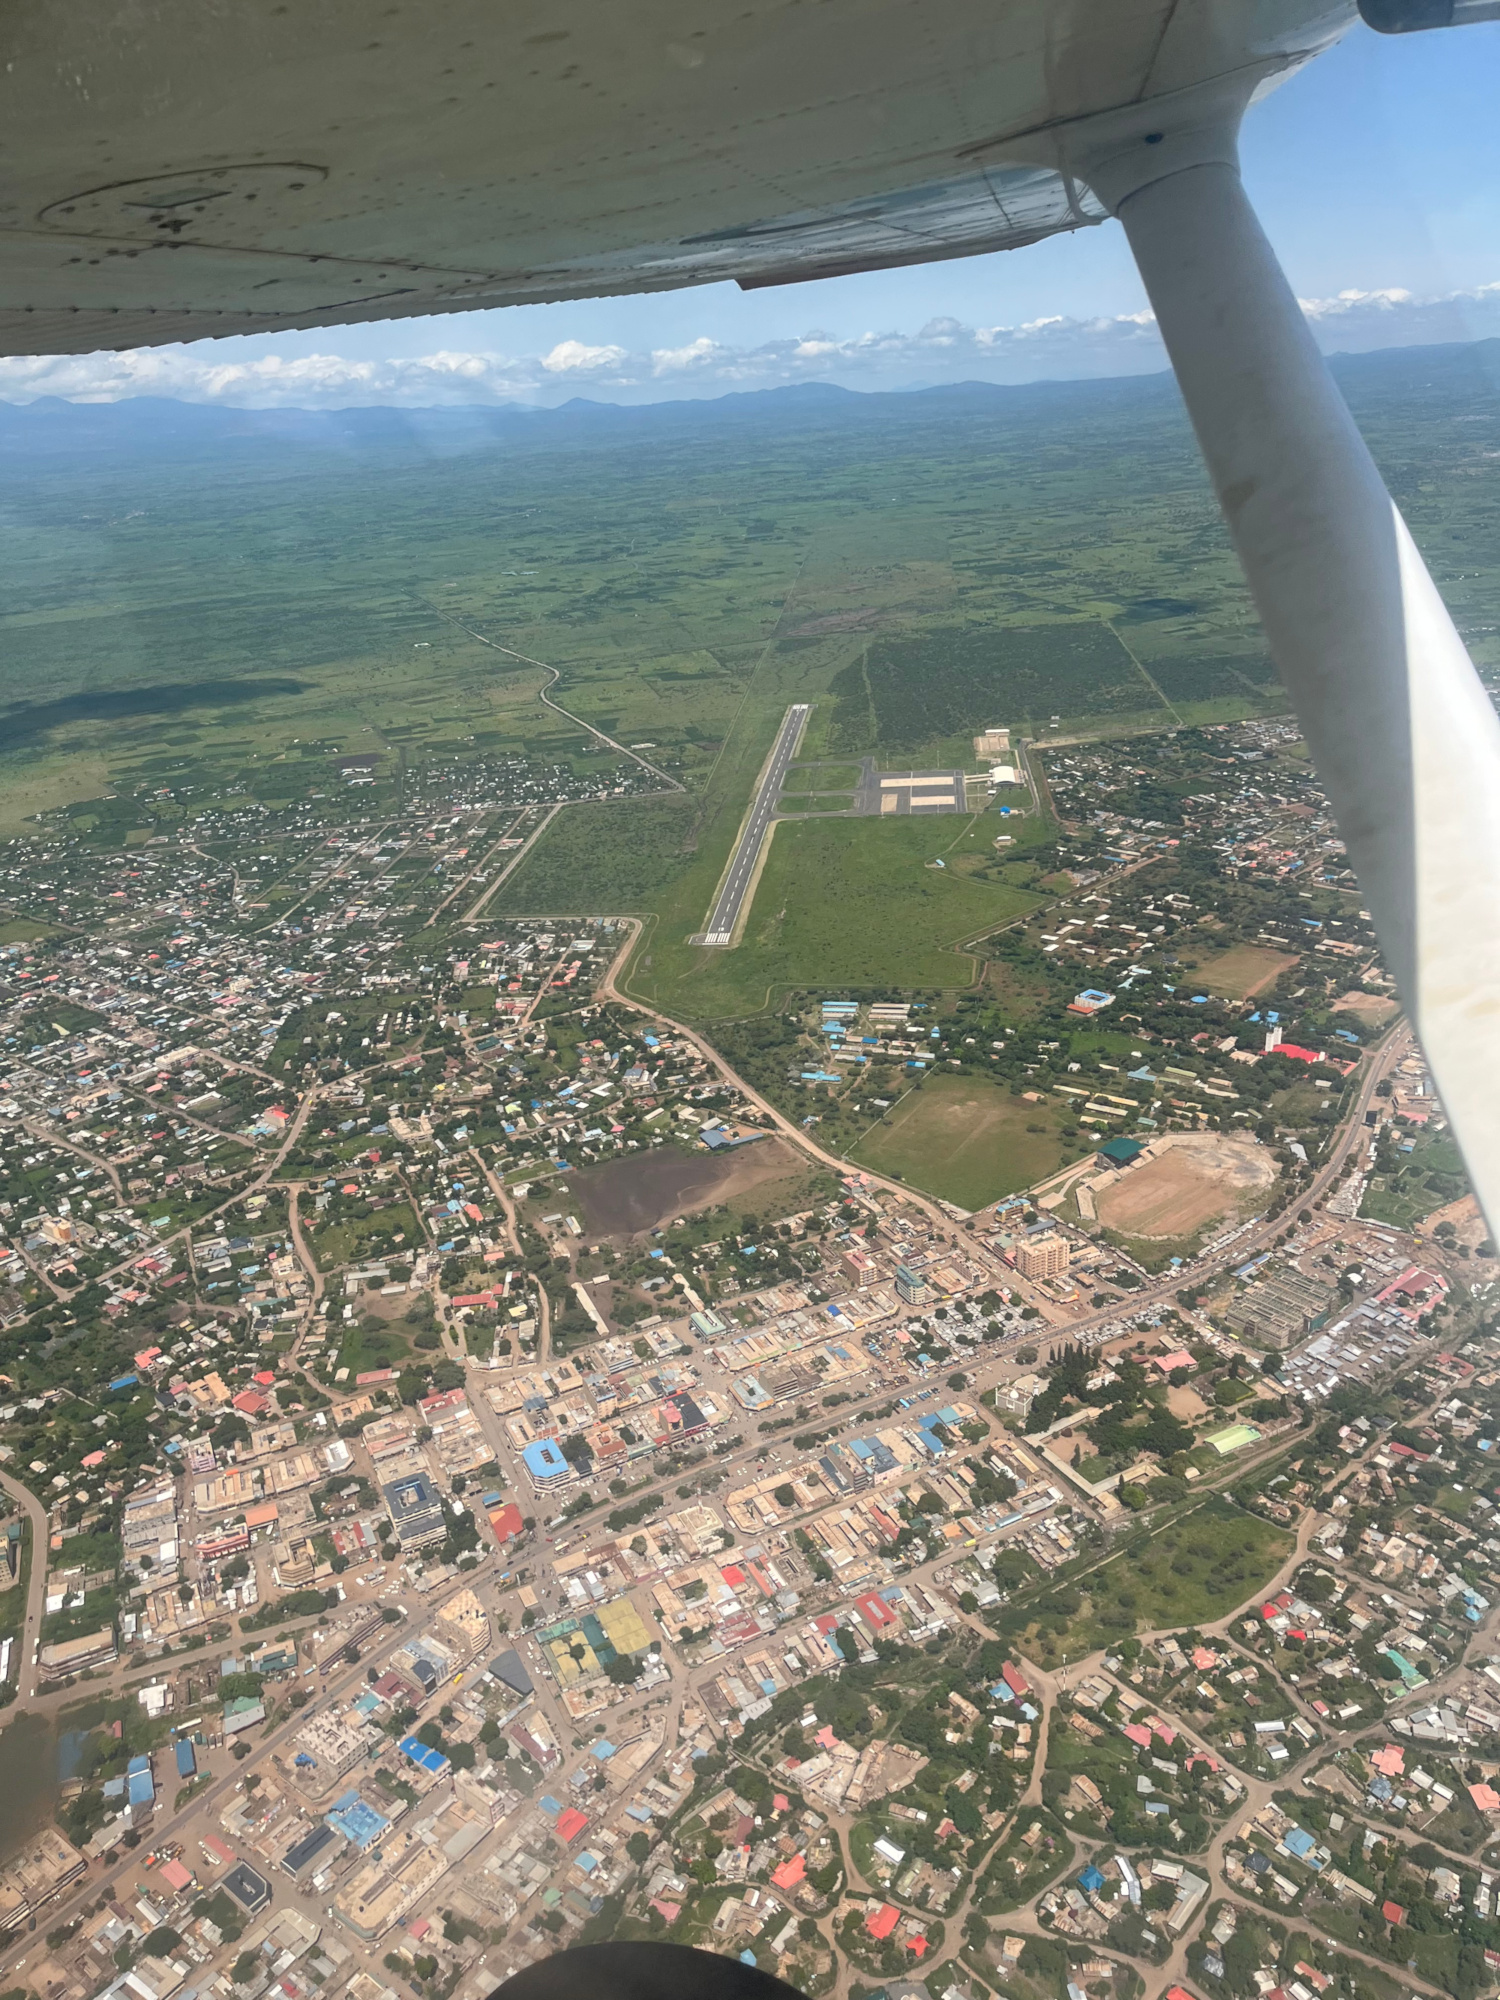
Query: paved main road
(28, 1637)
(725, 913)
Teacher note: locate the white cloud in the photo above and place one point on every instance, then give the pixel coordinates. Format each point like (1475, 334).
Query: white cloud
(944, 350)
(571, 357)
(698, 355)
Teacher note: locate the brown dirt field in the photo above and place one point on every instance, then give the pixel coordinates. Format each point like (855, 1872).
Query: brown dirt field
(372, 1305)
(630, 1196)
(1187, 1404)
(1199, 1178)
(1465, 1217)
(1243, 971)
(1369, 1006)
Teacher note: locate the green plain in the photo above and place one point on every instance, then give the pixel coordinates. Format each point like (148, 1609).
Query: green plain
(966, 1140)
(1197, 1565)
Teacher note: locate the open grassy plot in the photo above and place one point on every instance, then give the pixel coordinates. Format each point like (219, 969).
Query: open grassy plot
(1405, 1187)
(855, 903)
(365, 1347)
(1198, 1565)
(1242, 971)
(966, 1140)
(372, 1235)
(822, 777)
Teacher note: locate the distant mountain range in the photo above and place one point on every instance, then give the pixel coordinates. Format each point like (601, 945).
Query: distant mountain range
(148, 426)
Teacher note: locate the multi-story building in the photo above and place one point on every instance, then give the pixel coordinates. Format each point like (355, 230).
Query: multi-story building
(416, 1510)
(1042, 1257)
(910, 1285)
(859, 1268)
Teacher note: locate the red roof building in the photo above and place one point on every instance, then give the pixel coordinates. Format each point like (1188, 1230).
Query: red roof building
(882, 1920)
(570, 1824)
(1393, 1913)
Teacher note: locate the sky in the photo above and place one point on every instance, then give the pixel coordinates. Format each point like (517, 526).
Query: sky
(1376, 172)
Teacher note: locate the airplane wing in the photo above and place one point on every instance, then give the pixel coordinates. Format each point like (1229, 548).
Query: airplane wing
(175, 171)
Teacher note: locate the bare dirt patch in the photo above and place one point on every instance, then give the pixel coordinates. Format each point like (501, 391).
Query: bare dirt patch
(1243, 971)
(1187, 1404)
(629, 1197)
(835, 621)
(1193, 1181)
(1368, 1006)
(1467, 1222)
(1072, 1446)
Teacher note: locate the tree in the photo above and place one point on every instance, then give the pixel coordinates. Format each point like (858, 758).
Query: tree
(638, 1847)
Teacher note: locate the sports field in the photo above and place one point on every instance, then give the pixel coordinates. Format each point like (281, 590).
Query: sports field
(1200, 1177)
(1243, 971)
(965, 1140)
(1371, 1009)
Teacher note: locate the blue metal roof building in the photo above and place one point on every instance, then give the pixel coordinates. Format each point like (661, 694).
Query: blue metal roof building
(357, 1821)
(545, 1462)
(420, 1754)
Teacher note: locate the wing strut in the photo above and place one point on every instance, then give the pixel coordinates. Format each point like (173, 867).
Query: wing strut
(1405, 738)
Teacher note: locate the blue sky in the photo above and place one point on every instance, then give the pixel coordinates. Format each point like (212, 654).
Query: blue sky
(1376, 171)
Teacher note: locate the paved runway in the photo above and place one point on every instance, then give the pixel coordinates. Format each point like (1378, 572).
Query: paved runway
(725, 913)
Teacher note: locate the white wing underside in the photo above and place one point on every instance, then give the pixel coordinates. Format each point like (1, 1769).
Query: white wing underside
(173, 172)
